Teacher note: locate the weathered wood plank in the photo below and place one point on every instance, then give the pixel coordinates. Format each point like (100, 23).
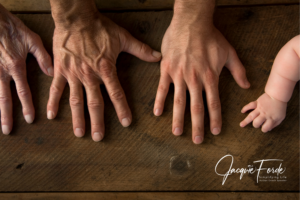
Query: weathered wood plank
(44, 5)
(46, 156)
(152, 196)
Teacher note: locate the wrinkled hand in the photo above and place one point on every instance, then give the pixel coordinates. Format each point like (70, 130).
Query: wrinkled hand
(268, 113)
(193, 57)
(85, 55)
(16, 40)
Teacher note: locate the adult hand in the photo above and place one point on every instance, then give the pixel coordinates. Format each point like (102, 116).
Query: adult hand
(86, 46)
(16, 40)
(194, 53)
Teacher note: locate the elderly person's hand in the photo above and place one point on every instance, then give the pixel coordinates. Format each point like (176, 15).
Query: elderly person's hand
(16, 40)
(86, 46)
(194, 53)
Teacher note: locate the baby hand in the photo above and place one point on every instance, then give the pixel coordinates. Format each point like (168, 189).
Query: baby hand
(267, 111)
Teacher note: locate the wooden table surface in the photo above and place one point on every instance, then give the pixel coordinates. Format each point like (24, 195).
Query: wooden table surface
(145, 160)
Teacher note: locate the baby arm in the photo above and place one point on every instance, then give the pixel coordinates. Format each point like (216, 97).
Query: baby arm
(270, 108)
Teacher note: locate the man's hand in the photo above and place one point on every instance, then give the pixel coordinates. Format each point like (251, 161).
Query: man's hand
(86, 46)
(16, 40)
(194, 53)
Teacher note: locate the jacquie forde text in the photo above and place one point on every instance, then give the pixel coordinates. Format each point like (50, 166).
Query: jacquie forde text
(250, 169)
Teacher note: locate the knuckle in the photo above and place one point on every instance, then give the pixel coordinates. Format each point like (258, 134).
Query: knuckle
(75, 101)
(161, 88)
(197, 108)
(144, 48)
(117, 95)
(4, 100)
(54, 90)
(210, 77)
(23, 93)
(214, 104)
(165, 67)
(106, 71)
(4, 77)
(179, 101)
(96, 124)
(14, 64)
(194, 79)
(4, 119)
(94, 104)
(165, 63)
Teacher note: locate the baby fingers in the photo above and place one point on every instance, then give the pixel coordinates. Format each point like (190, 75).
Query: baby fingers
(268, 126)
(249, 106)
(249, 118)
(258, 121)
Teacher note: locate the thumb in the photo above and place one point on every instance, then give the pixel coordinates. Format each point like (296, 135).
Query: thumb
(139, 49)
(237, 69)
(36, 48)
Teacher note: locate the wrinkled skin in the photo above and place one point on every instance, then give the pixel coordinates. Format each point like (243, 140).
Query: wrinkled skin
(267, 113)
(85, 56)
(193, 58)
(16, 41)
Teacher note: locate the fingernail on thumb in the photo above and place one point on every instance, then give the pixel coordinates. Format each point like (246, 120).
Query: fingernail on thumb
(156, 54)
(247, 84)
(50, 71)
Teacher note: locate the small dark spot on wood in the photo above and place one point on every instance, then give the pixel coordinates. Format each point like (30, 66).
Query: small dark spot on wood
(179, 166)
(26, 140)
(39, 141)
(247, 15)
(270, 144)
(142, 1)
(144, 27)
(19, 166)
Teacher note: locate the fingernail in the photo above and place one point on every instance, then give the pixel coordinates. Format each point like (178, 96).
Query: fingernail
(97, 136)
(156, 54)
(50, 115)
(157, 112)
(216, 131)
(177, 131)
(78, 132)
(50, 71)
(198, 139)
(5, 129)
(125, 122)
(28, 119)
(247, 84)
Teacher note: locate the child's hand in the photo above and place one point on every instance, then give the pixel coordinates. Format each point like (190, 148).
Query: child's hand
(267, 111)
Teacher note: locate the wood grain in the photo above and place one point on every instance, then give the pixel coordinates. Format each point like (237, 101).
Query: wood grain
(46, 156)
(151, 196)
(44, 5)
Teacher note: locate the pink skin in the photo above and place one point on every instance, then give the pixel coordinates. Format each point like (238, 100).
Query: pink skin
(269, 109)
(86, 45)
(16, 41)
(194, 53)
